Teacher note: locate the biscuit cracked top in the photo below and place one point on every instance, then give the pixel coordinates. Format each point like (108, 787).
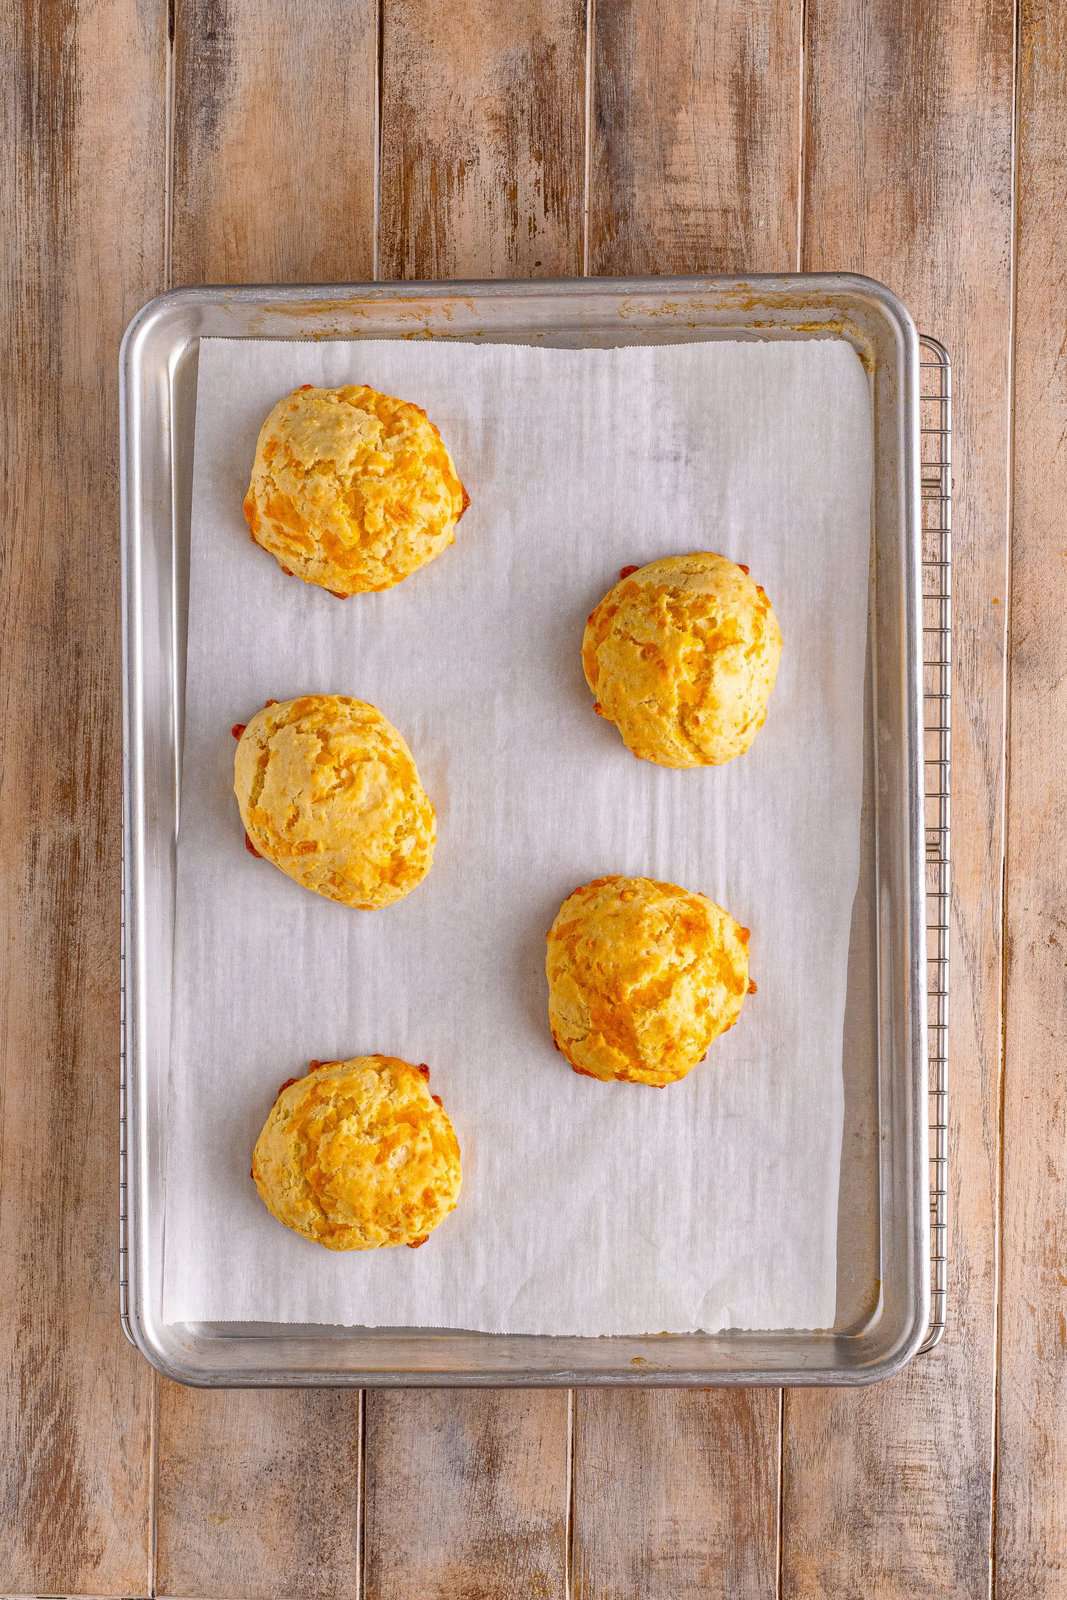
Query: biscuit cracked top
(329, 792)
(642, 977)
(681, 656)
(351, 489)
(359, 1154)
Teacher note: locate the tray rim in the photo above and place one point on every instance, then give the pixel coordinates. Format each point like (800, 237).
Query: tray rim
(792, 291)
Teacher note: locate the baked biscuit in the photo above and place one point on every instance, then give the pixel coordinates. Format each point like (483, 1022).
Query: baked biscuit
(352, 489)
(329, 792)
(681, 656)
(358, 1154)
(642, 976)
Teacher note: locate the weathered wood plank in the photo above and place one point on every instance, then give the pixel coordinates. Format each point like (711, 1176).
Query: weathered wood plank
(908, 178)
(274, 162)
(675, 1494)
(1031, 1511)
(82, 197)
(695, 128)
(274, 141)
(259, 1495)
(693, 168)
(482, 139)
(466, 1495)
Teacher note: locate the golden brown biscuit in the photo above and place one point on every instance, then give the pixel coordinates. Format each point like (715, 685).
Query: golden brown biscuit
(358, 1154)
(682, 656)
(329, 792)
(642, 976)
(352, 489)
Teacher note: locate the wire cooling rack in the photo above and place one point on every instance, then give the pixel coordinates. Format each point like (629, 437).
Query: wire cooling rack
(935, 371)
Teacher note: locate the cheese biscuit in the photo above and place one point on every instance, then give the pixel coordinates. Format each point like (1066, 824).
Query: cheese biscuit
(329, 792)
(351, 489)
(358, 1154)
(642, 976)
(681, 656)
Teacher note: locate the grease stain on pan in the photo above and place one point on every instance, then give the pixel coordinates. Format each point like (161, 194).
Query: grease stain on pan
(825, 327)
(345, 308)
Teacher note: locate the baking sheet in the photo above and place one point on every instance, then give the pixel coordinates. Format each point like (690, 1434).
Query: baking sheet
(587, 1208)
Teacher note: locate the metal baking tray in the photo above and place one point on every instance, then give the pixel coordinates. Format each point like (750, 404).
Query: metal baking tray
(891, 1215)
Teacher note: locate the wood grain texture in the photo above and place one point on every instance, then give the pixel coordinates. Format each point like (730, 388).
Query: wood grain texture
(908, 178)
(482, 138)
(675, 1494)
(1031, 1520)
(694, 167)
(695, 136)
(466, 1495)
(274, 140)
(259, 1495)
(274, 159)
(81, 194)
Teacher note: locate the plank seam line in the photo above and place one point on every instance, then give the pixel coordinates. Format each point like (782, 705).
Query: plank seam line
(779, 1532)
(587, 166)
(361, 1496)
(376, 203)
(802, 138)
(568, 1569)
(153, 1481)
(168, 148)
(998, 1255)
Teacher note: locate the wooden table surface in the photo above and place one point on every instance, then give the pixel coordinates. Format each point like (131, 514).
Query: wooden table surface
(256, 140)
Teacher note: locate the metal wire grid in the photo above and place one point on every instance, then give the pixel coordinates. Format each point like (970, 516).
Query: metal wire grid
(936, 453)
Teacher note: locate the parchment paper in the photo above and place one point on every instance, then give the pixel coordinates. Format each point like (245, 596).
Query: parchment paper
(587, 1208)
